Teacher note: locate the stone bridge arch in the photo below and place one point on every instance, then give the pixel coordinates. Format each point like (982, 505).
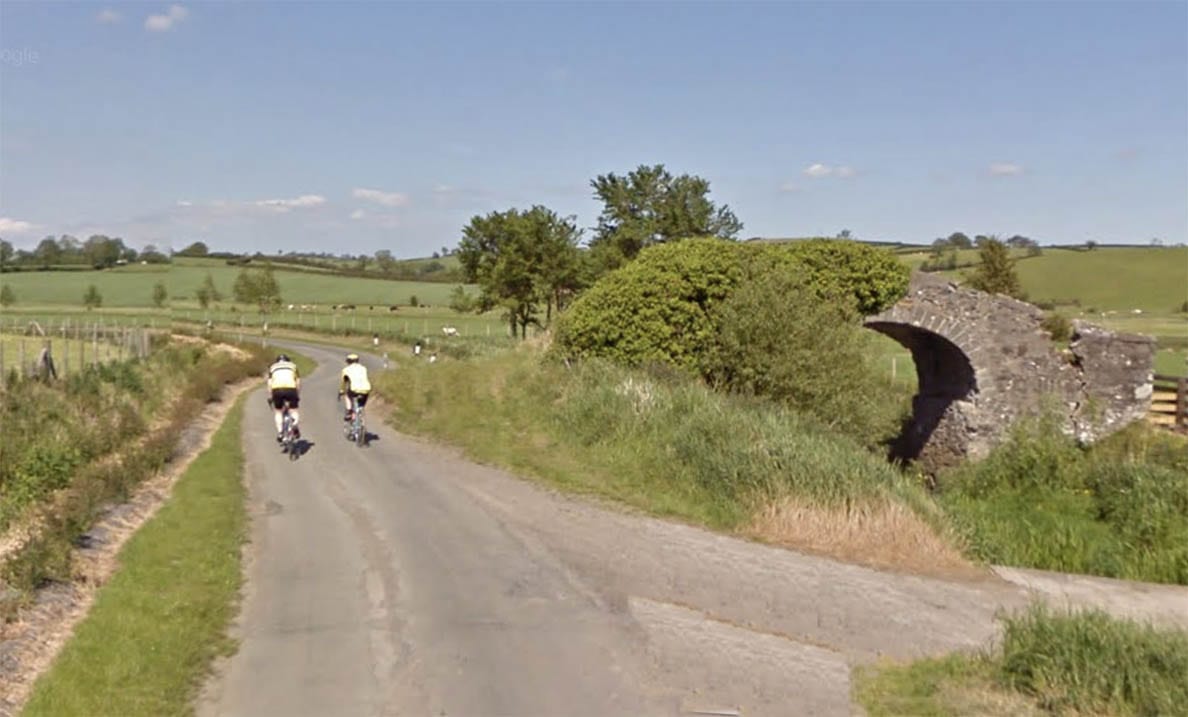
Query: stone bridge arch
(983, 361)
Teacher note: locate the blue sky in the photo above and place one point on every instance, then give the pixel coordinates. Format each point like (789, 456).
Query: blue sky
(353, 127)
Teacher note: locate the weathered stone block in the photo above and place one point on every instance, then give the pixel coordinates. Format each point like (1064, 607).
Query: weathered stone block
(984, 361)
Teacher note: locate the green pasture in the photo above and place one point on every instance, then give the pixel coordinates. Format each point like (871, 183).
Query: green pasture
(132, 286)
(311, 289)
(407, 321)
(1110, 280)
(1122, 279)
(122, 286)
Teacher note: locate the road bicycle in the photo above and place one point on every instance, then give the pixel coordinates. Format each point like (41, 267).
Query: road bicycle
(355, 429)
(288, 434)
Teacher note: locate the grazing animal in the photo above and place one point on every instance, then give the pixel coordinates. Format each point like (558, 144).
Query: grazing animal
(449, 331)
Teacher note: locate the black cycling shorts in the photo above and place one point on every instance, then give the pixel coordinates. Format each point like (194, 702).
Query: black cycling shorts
(280, 395)
(361, 398)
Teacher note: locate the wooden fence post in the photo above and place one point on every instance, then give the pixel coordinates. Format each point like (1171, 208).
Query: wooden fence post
(1182, 402)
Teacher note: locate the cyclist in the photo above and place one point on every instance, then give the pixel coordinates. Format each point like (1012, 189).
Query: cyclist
(355, 384)
(284, 385)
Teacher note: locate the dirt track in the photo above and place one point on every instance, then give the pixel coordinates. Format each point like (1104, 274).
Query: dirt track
(403, 579)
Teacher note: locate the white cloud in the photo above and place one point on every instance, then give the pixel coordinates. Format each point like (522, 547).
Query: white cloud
(1005, 169)
(444, 189)
(184, 203)
(166, 22)
(358, 214)
(816, 171)
(820, 171)
(789, 187)
(284, 205)
(107, 17)
(15, 226)
(388, 199)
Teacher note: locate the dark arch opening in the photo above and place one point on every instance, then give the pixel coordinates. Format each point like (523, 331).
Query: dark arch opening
(944, 374)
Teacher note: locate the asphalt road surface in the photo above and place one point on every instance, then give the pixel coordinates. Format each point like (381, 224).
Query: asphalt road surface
(401, 579)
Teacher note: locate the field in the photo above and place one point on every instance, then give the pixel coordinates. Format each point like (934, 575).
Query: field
(132, 286)
(299, 287)
(1112, 279)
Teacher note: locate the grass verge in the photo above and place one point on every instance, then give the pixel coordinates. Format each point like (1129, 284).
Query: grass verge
(1048, 662)
(1117, 509)
(672, 447)
(155, 628)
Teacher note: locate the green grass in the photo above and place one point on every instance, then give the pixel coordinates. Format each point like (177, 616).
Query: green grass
(132, 286)
(154, 629)
(1118, 509)
(1152, 279)
(69, 354)
(314, 288)
(1048, 662)
(656, 441)
(1172, 362)
(1108, 279)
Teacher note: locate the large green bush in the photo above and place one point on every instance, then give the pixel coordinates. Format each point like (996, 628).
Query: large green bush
(657, 309)
(873, 277)
(780, 338)
(662, 306)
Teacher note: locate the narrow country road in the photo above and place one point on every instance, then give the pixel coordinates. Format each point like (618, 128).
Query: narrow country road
(400, 579)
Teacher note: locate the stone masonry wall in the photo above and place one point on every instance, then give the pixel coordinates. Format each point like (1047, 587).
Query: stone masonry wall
(983, 361)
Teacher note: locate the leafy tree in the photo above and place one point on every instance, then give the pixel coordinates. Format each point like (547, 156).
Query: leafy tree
(103, 251)
(48, 252)
(996, 272)
(361, 262)
(384, 260)
(462, 302)
(520, 259)
(92, 298)
(845, 234)
(651, 206)
(958, 240)
(160, 294)
(6, 253)
(7, 295)
(259, 287)
(1090, 245)
(152, 255)
(207, 292)
(196, 249)
(413, 301)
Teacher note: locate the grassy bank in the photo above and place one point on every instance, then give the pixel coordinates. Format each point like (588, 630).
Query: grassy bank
(1118, 509)
(670, 446)
(72, 446)
(1047, 663)
(155, 628)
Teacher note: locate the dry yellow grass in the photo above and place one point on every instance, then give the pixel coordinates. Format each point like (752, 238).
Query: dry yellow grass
(881, 534)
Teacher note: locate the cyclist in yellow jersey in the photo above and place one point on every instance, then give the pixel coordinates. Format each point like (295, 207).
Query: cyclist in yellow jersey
(355, 384)
(284, 385)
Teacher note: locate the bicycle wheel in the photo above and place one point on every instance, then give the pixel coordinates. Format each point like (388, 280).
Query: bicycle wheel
(286, 433)
(360, 430)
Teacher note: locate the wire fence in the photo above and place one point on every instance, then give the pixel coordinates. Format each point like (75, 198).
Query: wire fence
(49, 350)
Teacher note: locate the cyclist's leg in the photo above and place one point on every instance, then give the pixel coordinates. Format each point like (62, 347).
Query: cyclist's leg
(278, 411)
(294, 402)
(296, 415)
